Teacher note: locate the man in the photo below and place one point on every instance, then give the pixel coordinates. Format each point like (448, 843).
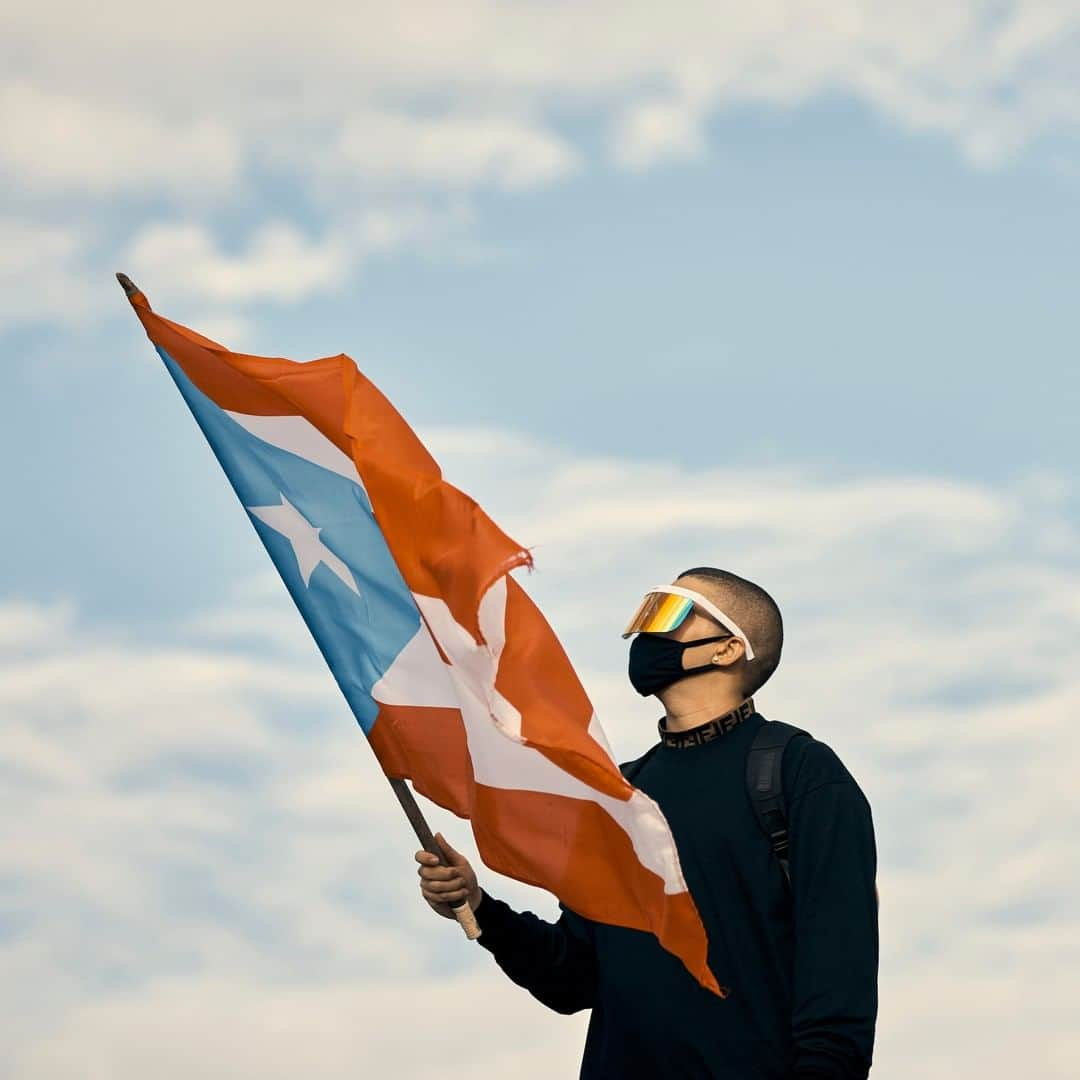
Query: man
(800, 960)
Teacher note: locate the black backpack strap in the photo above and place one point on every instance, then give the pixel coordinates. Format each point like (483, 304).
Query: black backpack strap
(765, 787)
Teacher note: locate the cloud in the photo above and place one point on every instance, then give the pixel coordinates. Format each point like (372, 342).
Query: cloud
(456, 151)
(43, 273)
(198, 846)
(355, 86)
(152, 127)
(280, 263)
(652, 131)
(301, 1031)
(58, 144)
(670, 125)
(230, 329)
(26, 626)
(58, 273)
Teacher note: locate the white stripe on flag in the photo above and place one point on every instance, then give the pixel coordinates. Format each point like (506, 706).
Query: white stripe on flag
(299, 436)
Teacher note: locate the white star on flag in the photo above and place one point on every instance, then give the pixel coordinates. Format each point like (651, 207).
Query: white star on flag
(304, 537)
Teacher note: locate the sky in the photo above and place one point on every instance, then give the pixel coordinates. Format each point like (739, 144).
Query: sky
(787, 290)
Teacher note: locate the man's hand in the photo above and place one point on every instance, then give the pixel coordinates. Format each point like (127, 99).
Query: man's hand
(442, 886)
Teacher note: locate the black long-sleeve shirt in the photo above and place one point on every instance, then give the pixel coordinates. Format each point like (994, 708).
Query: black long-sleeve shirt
(801, 963)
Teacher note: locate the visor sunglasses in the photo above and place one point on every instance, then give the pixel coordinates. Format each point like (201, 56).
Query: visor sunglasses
(665, 607)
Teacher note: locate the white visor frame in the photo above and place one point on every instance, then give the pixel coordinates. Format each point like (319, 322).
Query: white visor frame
(710, 609)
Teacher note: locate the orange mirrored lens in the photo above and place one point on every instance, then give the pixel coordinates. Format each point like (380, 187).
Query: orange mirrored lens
(659, 613)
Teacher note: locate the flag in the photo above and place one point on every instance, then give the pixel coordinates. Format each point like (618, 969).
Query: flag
(454, 675)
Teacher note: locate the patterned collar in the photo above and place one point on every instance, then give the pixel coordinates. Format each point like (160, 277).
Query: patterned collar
(711, 729)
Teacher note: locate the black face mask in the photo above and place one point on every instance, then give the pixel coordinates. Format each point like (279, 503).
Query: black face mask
(656, 662)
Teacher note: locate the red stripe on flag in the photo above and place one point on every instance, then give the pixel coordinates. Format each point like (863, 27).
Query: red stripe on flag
(427, 745)
(575, 849)
(442, 541)
(537, 676)
(571, 847)
(210, 366)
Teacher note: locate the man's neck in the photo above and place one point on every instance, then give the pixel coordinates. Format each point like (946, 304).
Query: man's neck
(686, 706)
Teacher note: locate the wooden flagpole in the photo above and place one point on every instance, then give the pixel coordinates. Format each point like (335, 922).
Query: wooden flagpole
(463, 913)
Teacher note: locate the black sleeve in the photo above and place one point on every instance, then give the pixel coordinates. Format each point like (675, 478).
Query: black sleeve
(553, 961)
(833, 867)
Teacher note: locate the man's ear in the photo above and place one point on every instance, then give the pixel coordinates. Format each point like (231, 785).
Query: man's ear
(728, 652)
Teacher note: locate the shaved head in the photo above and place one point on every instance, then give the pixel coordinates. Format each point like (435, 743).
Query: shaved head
(752, 608)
